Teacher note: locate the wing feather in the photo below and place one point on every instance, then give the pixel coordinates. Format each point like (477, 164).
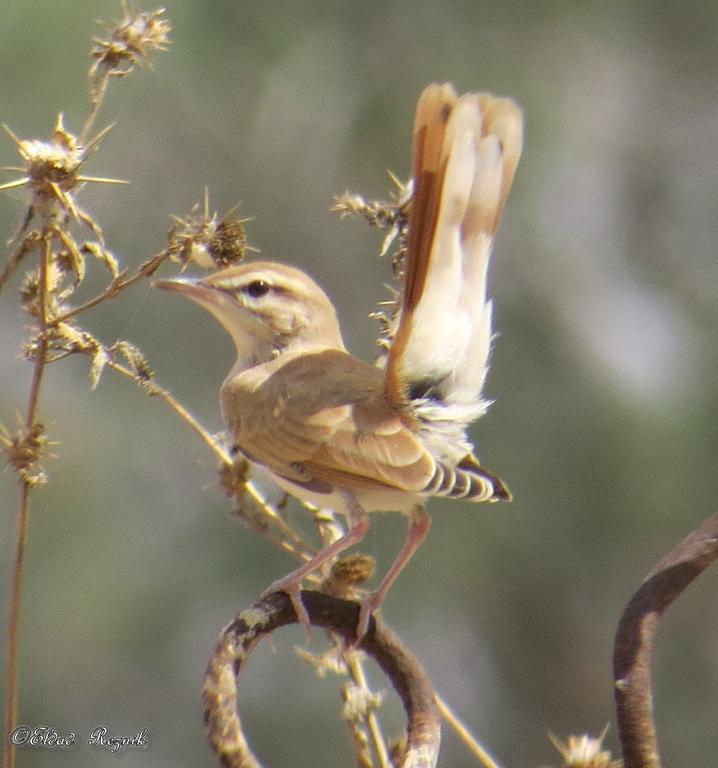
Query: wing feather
(348, 435)
(344, 454)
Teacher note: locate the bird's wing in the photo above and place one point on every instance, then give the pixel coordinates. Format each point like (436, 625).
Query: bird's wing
(371, 447)
(465, 152)
(324, 418)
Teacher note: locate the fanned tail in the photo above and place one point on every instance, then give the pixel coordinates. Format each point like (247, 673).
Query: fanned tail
(466, 150)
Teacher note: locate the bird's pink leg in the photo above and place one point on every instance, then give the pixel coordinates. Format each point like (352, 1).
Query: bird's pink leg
(418, 529)
(291, 583)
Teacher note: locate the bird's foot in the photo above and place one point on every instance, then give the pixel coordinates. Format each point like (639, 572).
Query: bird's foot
(368, 606)
(292, 589)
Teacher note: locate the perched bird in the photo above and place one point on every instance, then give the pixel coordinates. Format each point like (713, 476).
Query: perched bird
(338, 432)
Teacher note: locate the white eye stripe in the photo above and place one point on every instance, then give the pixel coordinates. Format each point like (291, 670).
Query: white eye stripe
(284, 286)
(237, 283)
(240, 283)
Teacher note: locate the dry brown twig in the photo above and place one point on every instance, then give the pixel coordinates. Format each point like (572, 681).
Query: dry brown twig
(224, 728)
(633, 649)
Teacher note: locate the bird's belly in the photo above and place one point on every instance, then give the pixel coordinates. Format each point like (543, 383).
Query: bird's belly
(370, 500)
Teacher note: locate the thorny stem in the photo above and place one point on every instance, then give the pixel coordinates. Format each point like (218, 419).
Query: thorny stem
(97, 96)
(469, 741)
(23, 515)
(118, 284)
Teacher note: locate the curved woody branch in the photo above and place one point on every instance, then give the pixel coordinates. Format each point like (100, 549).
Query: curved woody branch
(633, 647)
(224, 728)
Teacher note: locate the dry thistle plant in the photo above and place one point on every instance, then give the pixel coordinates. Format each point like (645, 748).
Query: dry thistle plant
(55, 243)
(61, 236)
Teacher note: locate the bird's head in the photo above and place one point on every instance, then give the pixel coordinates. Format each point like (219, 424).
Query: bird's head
(265, 307)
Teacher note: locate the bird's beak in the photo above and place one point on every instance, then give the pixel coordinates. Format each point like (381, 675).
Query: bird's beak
(187, 286)
(193, 288)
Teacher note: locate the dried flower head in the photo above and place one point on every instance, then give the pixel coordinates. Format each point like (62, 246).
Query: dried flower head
(130, 42)
(584, 751)
(52, 171)
(359, 702)
(210, 241)
(56, 161)
(135, 358)
(24, 450)
(347, 573)
(392, 214)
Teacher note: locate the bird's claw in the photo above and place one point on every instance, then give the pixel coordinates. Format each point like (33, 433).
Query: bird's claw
(294, 593)
(366, 611)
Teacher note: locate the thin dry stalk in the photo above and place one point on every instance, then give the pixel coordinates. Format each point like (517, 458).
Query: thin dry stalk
(53, 173)
(467, 738)
(27, 481)
(13, 623)
(356, 670)
(98, 90)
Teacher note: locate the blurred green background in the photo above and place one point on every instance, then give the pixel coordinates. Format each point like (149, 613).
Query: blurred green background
(605, 423)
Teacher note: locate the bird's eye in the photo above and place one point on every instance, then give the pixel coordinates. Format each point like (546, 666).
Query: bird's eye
(257, 288)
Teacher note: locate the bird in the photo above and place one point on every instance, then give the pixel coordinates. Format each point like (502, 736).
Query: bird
(337, 432)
